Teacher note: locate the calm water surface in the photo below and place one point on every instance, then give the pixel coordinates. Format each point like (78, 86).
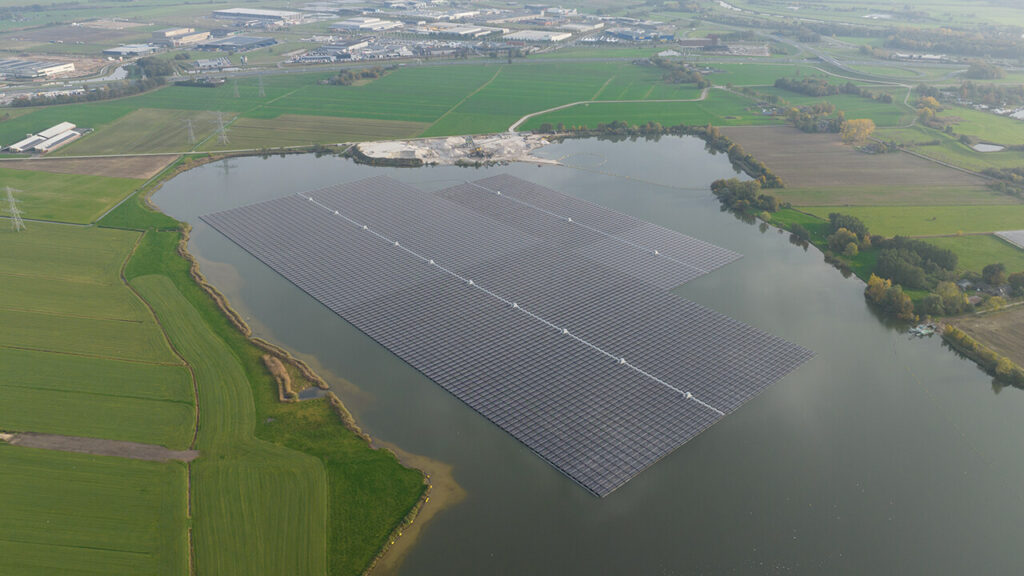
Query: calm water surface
(884, 454)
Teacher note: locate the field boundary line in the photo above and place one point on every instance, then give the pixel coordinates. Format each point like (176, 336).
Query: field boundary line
(87, 355)
(65, 315)
(195, 398)
(463, 101)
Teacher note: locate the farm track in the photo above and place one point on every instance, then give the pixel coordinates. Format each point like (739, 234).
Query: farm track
(515, 127)
(99, 447)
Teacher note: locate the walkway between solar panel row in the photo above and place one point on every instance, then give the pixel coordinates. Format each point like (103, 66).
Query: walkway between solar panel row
(548, 315)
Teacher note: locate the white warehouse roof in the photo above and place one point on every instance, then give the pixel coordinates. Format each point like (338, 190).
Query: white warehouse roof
(57, 129)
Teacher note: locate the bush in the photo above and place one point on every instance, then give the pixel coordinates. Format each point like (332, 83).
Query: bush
(994, 274)
(889, 298)
(800, 232)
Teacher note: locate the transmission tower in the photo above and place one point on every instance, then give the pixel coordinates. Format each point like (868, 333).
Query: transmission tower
(236, 88)
(16, 222)
(222, 132)
(191, 133)
(262, 93)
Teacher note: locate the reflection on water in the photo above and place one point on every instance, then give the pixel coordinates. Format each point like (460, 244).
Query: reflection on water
(883, 454)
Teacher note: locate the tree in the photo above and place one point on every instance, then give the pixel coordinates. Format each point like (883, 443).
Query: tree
(953, 300)
(841, 240)
(994, 274)
(802, 233)
(876, 288)
(857, 131)
(1016, 281)
(851, 250)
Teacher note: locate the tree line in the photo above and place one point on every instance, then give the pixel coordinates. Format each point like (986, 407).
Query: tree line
(680, 72)
(821, 87)
(348, 77)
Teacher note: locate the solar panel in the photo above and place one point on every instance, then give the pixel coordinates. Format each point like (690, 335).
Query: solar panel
(547, 315)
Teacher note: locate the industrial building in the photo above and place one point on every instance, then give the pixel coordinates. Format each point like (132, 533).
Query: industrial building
(333, 52)
(131, 50)
(366, 23)
(451, 29)
(179, 36)
(259, 15)
(538, 36)
(17, 68)
(50, 139)
(237, 43)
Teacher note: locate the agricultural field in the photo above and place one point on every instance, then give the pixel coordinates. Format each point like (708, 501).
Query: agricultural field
(929, 220)
(79, 514)
(893, 114)
(985, 126)
(976, 252)
(819, 169)
(84, 356)
(97, 398)
(147, 131)
(721, 108)
(65, 197)
(1002, 331)
(420, 100)
(108, 375)
(140, 167)
(299, 130)
(740, 74)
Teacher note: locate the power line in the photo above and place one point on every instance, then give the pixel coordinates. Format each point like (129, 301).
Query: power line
(222, 132)
(17, 224)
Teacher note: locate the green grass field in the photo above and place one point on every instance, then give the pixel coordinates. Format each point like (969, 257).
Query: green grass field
(721, 108)
(146, 130)
(985, 126)
(840, 196)
(409, 101)
(85, 515)
(894, 114)
(929, 220)
(976, 252)
(300, 130)
(949, 149)
(65, 197)
(79, 396)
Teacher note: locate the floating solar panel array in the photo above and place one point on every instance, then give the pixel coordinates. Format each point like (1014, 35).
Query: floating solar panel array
(548, 315)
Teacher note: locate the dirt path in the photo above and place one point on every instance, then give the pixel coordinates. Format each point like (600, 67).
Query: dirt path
(98, 446)
(514, 127)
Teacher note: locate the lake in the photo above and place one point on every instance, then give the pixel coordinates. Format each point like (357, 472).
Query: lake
(883, 454)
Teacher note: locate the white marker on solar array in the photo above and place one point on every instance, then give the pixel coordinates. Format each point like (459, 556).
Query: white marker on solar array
(565, 331)
(592, 229)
